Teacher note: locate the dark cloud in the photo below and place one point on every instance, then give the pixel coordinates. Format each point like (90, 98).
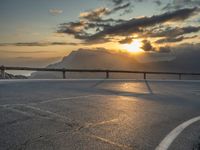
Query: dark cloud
(174, 31)
(99, 13)
(91, 21)
(38, 44)
(147, 46)
(170, 40)
(24, 52)
(94, 14)
(97, 29)
(118, 2)
(97, 25)
(172, 34)
(126, 6)
(64, 43)
(178, 4)
(135, 25)
(127, 40)
(174, 39)
(72, 27)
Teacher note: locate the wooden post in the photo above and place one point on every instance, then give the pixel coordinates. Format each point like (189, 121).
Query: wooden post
(179, 76)
(107, 74)
(145, 76)
(64, 75)
(3, 72)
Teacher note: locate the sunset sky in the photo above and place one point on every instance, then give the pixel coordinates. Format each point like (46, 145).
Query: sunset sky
(39, 32)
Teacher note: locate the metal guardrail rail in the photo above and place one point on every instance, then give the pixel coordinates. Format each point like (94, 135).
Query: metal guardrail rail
(107, 72)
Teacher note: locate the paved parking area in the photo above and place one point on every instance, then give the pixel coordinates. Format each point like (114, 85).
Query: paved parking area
(96, 114)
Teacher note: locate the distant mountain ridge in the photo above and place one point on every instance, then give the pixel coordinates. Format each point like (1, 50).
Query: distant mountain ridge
(103, 59)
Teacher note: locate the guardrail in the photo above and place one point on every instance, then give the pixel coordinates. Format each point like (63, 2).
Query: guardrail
(107, 72)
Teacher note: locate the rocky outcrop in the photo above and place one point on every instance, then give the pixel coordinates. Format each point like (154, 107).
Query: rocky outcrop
(11, 76)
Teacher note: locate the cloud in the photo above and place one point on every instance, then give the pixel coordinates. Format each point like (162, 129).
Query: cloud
(135, 25)
(172, 34)
(127, 40)
(174, 31)
(38, 44)
(55, 11)
(158, 2)
(72, 27)
(95, 14)
(127, 7)
(23, 52)
(91, 20)
(98, 26)
(174, 39)
(34, 62)
(146, 46)
(118, 2)
(178, 4)
(27, 58)
(95, 29)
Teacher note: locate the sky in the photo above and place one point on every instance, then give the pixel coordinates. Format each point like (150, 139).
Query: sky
(36, 33)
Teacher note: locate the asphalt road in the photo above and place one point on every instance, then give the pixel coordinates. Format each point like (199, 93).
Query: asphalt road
(97, 114)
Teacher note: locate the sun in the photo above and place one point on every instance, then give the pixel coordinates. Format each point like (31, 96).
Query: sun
(134, 47)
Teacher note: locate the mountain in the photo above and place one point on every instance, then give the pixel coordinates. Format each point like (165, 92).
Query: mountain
(182, 61)
(89, 59)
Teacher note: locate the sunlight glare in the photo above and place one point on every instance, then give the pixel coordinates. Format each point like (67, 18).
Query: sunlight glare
(133, 47)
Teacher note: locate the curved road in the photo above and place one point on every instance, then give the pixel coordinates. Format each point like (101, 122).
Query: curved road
(98, 114)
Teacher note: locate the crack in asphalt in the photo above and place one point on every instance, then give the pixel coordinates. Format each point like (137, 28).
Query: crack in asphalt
(25, 110)
(24, 145)
(32, 111)
(197, 145)
(2, 125)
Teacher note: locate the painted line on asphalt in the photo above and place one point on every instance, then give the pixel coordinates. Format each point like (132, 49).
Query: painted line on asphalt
(55, 99)
(121, 146)
(167, 141)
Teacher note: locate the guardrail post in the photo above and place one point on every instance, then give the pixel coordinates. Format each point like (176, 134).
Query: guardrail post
(64, 75)
(179, 76)
(3, 72)
(107, 74)
(145, 75)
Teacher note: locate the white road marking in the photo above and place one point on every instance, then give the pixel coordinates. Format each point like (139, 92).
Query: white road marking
(108, 141)
(167, 141)
(54, 99)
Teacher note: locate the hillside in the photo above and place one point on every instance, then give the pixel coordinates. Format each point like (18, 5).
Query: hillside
(102, 59)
